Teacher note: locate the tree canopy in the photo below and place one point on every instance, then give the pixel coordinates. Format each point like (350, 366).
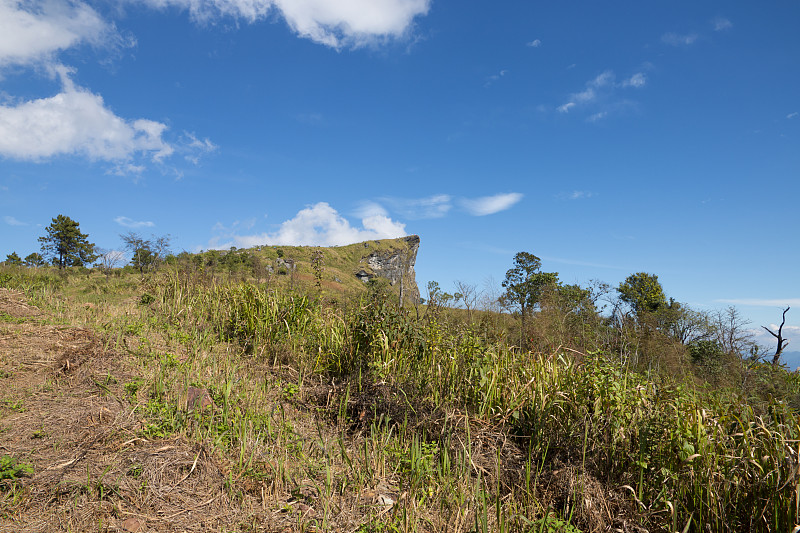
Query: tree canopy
(65, 245)
(146, 254)
(643, 293)
(34, 260)
(13, 259)
(525, 283)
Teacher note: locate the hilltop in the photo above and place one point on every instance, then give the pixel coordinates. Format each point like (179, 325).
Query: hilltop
(345, 269)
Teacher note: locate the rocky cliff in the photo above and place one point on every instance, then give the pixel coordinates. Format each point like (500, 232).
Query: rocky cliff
(395, 263)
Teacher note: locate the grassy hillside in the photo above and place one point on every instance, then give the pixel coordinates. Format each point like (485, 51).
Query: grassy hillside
(189, 402)
(273, 263)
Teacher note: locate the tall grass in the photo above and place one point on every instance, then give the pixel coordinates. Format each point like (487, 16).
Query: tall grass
(679, 457)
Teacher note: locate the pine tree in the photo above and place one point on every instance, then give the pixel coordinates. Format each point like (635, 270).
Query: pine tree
(13, 259)
(34, 260)
(65, 245)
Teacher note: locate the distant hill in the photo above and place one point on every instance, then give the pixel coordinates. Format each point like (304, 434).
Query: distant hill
(791, 359)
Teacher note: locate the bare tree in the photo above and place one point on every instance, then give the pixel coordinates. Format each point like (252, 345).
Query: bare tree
(469, 295)
(731, 331)
(109, 260)
(779, 336)
(147, 254)
(490, 295)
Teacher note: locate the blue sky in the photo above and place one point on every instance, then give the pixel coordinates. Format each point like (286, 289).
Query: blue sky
(606, 138)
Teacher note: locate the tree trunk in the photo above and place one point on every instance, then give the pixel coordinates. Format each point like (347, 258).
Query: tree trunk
(781, 341)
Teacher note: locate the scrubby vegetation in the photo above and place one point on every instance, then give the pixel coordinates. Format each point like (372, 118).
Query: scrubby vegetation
(340, 410)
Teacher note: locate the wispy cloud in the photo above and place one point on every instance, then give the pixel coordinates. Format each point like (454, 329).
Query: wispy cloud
(489, 205)
(676, 39)
(637, 80)
(765, 302)
(597, 116)
(576, 195)
(602, 91)
(318, 225)
(237, 225)
(435, 206)
(494, 77)
(566, 107)
(584, 96)
(11, 221)
(536, 43)
(721, 24)
(438, 205)
(790, 116)
(133, 224)
(194, 148)
(603, 79)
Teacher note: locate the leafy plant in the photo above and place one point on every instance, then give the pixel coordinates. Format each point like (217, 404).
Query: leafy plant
(12, 469)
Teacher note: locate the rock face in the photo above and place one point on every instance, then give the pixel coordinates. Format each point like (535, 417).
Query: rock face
(395, 264)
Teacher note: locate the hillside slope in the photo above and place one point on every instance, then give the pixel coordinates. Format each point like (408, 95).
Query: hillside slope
(344, 268)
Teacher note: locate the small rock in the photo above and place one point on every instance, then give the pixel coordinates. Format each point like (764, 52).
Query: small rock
(383, 499)
(196, 397)
(132, 524)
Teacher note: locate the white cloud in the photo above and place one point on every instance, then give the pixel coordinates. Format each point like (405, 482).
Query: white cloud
(130, 223)
(536, 43)
(369, 208)
(11, 221)
(638, 80)
(334, 23)
(488, 205)
(76, 121)
(32, 31)
(790, 116)
(721, 24)
(674, 39)
(322, 225)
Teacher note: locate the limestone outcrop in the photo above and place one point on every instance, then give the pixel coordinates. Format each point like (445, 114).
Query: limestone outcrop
(395, 263)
